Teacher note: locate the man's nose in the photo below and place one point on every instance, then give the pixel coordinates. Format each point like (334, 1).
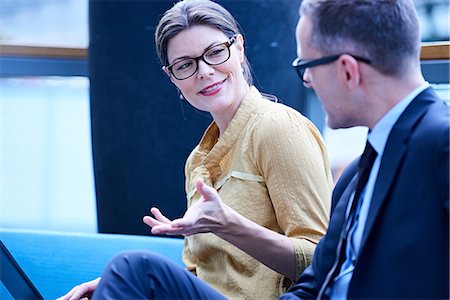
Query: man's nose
(307, 79)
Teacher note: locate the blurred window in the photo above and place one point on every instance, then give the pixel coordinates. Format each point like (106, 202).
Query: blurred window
(46, 159)
(55, 23)
(434, 16)
(46, 173)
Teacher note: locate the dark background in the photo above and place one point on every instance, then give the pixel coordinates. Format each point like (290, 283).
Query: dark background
(141, 132)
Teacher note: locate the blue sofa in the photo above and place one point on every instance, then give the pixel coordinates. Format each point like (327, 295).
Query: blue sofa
(57, 261)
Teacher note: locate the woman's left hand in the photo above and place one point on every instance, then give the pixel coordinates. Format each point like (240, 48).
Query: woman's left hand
(207, 215)
(210, 214)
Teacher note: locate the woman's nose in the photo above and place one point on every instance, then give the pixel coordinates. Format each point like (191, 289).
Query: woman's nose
(204, 70)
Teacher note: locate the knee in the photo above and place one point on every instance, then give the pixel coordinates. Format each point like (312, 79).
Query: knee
(138, 261)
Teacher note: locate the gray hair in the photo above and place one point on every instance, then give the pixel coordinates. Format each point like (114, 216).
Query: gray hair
(188, 13)
(385, 31)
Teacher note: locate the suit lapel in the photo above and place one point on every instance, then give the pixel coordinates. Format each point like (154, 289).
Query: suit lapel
(396, 148)
(339, 220)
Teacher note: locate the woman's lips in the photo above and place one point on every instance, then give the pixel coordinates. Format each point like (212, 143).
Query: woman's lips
(212, 89)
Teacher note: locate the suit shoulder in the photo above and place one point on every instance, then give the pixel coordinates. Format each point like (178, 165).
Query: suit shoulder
(344, 181)
(435, 123)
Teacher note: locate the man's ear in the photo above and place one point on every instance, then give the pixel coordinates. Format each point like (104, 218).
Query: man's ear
(350, 70)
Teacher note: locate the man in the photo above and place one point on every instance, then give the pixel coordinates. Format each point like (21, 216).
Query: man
(392, 239)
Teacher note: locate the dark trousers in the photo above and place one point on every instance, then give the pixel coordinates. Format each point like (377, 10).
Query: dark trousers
(146, 275)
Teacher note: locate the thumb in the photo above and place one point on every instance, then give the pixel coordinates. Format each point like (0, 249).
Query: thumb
(205, 191)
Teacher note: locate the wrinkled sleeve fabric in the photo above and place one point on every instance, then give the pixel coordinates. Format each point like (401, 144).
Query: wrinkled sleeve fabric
(294, 163)
(188, 258)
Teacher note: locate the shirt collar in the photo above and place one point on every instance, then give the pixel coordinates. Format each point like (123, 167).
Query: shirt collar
(379, 134)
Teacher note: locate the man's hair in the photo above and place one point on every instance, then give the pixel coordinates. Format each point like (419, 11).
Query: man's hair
(383, 31)
(188, 13)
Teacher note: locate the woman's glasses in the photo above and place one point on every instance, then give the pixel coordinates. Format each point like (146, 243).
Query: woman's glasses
(213, 56)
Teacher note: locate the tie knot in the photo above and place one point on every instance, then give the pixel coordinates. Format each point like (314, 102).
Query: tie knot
(368, 156)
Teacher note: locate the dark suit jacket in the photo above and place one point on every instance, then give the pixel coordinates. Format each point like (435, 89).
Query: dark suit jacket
(405, 246)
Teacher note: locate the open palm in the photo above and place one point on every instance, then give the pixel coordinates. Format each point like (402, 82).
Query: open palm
(207, 215)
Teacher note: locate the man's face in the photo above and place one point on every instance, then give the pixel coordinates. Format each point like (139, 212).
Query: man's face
(323, 78)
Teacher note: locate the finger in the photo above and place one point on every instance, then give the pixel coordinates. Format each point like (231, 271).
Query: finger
(182, 223)
(159, 216)
(69, 294)
(85, 290)
(78, 294)
(204, 190)
(151, 221)
(164, 229)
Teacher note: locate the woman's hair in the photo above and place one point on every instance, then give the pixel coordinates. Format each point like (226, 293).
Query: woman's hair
(384, 31)
(188, 13)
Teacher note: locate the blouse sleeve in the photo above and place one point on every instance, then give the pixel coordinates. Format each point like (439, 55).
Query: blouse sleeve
(188, 259)
(292, 158)
(192, 174)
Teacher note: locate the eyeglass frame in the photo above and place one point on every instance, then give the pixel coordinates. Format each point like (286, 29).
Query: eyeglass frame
(197, 59)
(300, 65)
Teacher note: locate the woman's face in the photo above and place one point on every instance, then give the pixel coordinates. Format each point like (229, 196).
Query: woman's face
(216, 89)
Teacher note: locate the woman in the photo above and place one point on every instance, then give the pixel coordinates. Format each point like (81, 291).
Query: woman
(267, 165)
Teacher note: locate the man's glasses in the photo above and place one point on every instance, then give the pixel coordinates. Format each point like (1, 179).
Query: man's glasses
(301, 66)
(213, 56)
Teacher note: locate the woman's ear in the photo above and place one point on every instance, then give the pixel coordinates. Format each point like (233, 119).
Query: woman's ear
(168, 74)
(240, 46)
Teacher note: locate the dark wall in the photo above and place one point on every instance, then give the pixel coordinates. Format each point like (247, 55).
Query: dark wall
(269, 29)
(141, 132)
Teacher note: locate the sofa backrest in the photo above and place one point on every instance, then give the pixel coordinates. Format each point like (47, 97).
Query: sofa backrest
(57, 261)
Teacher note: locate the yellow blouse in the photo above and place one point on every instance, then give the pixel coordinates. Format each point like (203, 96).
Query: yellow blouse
(271, 166)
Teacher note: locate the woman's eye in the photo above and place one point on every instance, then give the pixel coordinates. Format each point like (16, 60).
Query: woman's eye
(215, 51)
(183, 65)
